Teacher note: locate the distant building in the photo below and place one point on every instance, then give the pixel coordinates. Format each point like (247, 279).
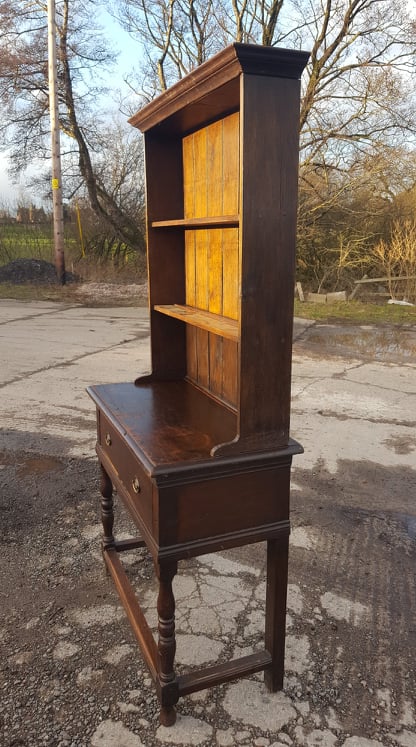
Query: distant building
(31, 214)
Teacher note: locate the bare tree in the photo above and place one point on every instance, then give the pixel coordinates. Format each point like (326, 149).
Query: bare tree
(82, 56)
(358, 91)
(396, 259)
(358, 88)
(175, 36)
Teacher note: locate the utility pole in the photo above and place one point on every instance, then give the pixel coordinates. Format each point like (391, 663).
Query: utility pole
(58, 212)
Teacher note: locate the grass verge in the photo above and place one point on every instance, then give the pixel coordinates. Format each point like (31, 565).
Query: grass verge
(356, 312)
(34, 292)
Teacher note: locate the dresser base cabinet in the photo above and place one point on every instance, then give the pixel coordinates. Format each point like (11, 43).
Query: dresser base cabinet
(183, 509)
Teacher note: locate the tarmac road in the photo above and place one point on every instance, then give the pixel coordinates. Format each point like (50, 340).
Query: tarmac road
(70, 672)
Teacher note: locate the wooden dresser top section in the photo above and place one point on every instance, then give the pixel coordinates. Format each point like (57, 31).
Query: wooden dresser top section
(212, 89)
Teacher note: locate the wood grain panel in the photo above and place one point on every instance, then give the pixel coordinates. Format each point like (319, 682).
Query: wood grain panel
(231, 262)
(214, 177)
(210, 221)
(211, 186)
(208, 507)
(201, 208)
(164, 185)
(201, 252)
(231, 146)
(219, 325)
(215, 249)
(189, 212)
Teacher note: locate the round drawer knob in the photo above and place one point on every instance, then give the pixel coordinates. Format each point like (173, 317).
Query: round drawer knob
(108, 439)
(135, 485)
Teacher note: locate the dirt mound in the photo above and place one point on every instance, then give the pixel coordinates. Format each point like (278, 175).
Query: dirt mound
(31, 271)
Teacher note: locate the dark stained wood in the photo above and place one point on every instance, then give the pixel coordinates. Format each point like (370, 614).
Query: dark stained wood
(207, 507)
(199, 451)
(129, 544)
(216, 675)
(276, 594)
(166, 642)
(107, 511)
(162, 422)
(166, 261)
(133, 610)
(267, 286)
(220, 542)
(132, 504)
(212, 90)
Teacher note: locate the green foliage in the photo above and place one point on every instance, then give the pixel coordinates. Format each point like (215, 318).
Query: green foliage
(356, 312)
(19, 241)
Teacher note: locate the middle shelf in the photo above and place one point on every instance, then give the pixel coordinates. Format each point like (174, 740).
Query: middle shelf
(219, 325)
(218, 221)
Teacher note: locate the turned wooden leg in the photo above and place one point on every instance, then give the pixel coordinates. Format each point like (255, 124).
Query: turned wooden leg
(276, 595)
(107, 512)
(167, 642)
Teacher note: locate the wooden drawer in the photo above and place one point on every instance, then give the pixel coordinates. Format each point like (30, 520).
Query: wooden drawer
(224, 505)
(127, 470)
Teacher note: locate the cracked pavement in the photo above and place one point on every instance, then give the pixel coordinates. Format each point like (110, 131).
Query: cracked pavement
(71, 674)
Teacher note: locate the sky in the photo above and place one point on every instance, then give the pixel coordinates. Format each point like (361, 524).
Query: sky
(8, 191)
(11, 193)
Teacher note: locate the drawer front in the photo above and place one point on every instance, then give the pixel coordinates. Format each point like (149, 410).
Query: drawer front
(225, 505)
(128, 470)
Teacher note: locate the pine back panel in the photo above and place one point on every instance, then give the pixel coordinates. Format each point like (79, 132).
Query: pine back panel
(212, 263)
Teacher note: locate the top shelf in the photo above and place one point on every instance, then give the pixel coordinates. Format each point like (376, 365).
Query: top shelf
(215, 221)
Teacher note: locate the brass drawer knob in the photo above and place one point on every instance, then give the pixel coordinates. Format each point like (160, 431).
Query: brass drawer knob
(108, 439)
(135, 485)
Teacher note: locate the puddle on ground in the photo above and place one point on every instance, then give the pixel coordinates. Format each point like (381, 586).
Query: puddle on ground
(378, 344)
(410, 525)
(401, 444)
(39, 466)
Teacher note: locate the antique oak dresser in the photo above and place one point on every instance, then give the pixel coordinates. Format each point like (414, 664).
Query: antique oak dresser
(199, 450)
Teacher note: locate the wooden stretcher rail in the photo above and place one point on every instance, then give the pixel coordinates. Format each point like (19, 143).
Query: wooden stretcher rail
(136, 617)
(212, 676)
(129, 544)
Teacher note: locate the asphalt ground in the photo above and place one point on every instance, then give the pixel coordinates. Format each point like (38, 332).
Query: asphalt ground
(70, 672)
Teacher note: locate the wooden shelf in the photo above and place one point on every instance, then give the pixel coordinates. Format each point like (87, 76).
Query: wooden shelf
(215, 221)
(219, 325)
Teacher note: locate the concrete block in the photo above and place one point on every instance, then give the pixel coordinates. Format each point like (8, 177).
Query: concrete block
(336, 296)
(316, 297)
